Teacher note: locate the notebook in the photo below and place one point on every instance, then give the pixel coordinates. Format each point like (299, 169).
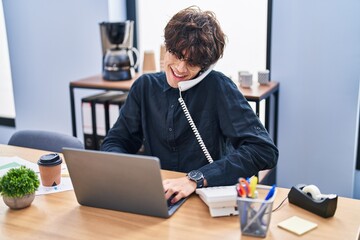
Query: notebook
(116, 181)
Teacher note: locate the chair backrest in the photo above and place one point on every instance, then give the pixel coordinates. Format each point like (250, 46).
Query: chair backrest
(44, 140)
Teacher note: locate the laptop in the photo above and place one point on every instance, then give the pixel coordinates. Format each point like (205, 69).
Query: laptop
(116, 181)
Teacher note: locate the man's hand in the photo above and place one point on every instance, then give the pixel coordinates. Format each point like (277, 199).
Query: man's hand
(179, 187)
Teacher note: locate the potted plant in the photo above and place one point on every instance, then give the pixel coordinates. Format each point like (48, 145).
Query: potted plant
(18, 187)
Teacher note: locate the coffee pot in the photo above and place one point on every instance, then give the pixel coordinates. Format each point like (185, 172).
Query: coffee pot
(118, 51)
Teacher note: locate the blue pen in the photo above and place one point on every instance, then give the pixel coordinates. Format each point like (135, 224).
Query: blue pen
(271, 192)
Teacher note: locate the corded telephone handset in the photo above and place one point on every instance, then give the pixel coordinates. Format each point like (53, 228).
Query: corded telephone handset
(183, 86)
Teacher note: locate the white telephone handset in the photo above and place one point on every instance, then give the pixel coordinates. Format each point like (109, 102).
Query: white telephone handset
(183, 86)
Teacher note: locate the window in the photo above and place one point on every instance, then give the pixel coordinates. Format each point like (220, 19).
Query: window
(7, 106)
(245, 22)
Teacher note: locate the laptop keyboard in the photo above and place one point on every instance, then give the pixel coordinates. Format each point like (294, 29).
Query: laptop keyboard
(169, 204)
(174, 206)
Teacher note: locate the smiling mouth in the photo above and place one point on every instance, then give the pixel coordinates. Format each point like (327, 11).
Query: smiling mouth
(177, 76)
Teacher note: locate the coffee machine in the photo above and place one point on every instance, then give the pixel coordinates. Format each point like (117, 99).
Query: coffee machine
(118, 51)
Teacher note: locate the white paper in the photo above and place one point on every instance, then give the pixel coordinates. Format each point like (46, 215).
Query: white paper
(65, 185)
(6, 163)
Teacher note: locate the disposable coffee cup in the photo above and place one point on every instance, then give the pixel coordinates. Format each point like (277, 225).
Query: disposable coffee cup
(149, 62)
(50, 169)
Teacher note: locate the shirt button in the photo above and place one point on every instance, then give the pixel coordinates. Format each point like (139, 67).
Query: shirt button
(170, 129)
(172, 106)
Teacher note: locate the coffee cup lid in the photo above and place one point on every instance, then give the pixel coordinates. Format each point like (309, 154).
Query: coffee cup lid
(51, 159)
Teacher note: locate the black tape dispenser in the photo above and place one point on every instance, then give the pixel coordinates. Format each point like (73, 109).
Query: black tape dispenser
(310, 198)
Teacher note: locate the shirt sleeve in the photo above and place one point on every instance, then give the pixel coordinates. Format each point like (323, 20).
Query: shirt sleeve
(250, 148)
(126, 134)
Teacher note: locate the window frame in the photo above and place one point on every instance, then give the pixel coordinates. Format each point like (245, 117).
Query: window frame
(131, 11)
(5, 120)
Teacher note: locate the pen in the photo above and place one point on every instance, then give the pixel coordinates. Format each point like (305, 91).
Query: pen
(270, 193)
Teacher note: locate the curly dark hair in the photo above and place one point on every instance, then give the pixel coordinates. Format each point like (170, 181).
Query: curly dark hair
(196, 33)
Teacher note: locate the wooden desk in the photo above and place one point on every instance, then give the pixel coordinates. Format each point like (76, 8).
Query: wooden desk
(256, 94)
(59, 216)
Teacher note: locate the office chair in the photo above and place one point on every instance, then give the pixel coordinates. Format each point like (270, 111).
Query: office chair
(44, 140)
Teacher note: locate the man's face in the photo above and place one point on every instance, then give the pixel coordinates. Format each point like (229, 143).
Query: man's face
(178, 70)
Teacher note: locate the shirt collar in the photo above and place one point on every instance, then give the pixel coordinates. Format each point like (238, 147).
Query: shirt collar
(166, 86)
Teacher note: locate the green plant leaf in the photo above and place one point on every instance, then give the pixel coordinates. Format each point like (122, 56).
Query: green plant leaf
(18, 182)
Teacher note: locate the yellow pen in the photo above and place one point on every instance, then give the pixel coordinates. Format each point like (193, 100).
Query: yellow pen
(253, 182)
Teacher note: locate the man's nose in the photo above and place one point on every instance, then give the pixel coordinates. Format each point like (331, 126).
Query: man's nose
(181, 66)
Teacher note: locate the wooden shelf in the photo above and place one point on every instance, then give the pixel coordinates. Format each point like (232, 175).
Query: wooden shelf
(98, 82)
(259, 92)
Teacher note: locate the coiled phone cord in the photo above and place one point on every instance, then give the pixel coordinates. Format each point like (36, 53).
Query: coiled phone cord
(194, 129)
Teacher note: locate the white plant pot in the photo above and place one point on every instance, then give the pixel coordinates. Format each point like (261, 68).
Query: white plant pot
(19, 203)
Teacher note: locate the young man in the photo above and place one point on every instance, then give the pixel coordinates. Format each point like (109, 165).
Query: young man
(235, 143)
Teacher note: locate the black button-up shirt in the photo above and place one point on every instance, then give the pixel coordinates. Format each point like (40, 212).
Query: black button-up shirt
(234, 136)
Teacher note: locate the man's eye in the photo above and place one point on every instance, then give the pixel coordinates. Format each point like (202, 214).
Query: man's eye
(191, 64)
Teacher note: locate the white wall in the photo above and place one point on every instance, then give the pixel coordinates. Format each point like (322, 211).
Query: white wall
(316, 59)
(51, 43)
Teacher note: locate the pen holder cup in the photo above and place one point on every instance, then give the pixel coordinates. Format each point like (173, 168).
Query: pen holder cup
(255, 213)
